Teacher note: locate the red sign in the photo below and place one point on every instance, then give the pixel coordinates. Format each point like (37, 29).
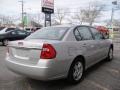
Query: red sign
(48, 4)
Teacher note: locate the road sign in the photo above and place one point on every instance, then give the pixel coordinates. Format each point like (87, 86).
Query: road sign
(48, 6)
(47, 10)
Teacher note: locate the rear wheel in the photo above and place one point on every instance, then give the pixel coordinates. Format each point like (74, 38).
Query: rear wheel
(5, 42)
(76, 72)
(110, 54)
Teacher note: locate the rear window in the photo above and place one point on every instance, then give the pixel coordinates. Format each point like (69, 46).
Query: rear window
(49, 33)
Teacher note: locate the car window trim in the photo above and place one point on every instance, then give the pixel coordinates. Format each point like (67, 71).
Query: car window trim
(76, 28)
(92, 32)
(88, 30)
(98, 32)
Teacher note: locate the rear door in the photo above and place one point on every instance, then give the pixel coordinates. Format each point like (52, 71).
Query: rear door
(12, 35)
(100, 43)
(87, 44)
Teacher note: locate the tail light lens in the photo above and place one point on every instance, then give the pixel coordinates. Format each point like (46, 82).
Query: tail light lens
(48, 52)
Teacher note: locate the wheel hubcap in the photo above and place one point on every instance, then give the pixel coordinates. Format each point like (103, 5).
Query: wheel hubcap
(78, 71)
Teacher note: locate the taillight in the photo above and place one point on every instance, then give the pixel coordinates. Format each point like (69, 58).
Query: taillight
(48, 52)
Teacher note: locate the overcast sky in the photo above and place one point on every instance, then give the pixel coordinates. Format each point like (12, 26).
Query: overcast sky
(12, 7)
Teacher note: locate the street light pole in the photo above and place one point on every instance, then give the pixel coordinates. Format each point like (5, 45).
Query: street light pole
(112, 14)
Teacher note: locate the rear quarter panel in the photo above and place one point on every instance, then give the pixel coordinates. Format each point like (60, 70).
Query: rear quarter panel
(67, 51)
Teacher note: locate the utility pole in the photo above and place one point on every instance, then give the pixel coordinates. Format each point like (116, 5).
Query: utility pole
(22, 14)
(112, 17)
(112, 14)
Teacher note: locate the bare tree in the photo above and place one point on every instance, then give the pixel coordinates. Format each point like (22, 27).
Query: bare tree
(60, 15)
(92, 12)
(6, 20)
(79, 16)
(70, 20)
(55, 22)
(37, 17)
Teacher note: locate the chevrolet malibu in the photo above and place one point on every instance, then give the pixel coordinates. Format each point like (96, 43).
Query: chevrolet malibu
(58, 52)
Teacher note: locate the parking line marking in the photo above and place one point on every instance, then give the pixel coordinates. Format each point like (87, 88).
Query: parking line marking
(98, 85)
(112, 70)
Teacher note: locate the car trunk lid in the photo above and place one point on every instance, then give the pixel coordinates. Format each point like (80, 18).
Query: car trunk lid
(25, 51)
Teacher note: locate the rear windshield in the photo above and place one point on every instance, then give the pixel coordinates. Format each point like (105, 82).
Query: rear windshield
(49, 33)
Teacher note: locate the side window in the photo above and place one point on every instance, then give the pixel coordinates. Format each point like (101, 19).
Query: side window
(77, 35)
(9, 29)
(13, 33)
(97, 34)
(21, 33)
(85, 33)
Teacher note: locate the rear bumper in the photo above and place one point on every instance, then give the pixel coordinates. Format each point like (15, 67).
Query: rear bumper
(35, 72)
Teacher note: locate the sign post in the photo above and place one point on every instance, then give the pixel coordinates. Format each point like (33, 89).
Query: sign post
(48, 9)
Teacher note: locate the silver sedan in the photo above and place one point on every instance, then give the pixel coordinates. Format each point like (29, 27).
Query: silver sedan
(58, 52)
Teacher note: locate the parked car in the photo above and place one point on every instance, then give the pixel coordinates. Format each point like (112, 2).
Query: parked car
(13, 35)
(6, 30)
(103, 30)
(32, 30)
(58, 52)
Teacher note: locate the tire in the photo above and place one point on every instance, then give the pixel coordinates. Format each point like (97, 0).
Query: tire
(76, 71)
(110, 55)
(5, 42)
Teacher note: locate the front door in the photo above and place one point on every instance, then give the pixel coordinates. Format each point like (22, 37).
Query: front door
(100, 43)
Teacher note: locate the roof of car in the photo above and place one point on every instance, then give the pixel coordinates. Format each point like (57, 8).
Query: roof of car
(68, 25)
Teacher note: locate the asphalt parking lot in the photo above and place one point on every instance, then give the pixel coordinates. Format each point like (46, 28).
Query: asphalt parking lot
(102, 76)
